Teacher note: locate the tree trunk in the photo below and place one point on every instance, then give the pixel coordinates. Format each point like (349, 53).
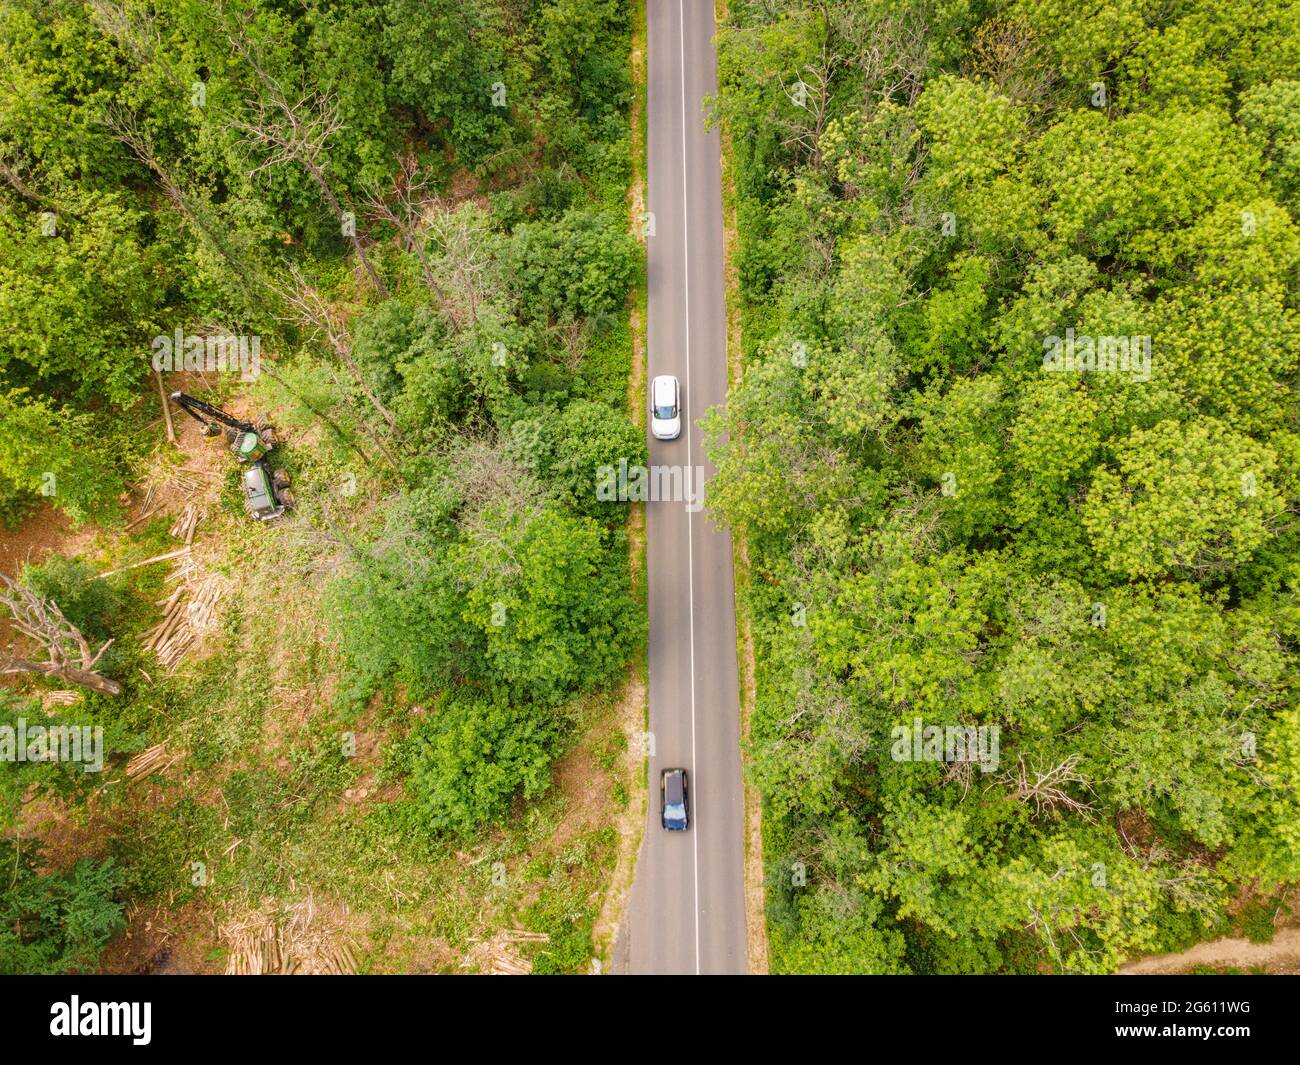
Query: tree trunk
(318, 176)
(166, 408)
(82, 677)
(89, 680)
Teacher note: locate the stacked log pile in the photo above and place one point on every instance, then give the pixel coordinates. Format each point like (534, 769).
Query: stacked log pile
(335, 960)
(255, 952)
(183, 527)
(291, 944)
(146, 763)
(187, 614)
(499, 955)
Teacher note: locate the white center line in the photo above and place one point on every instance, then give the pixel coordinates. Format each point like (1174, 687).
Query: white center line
(690, 467)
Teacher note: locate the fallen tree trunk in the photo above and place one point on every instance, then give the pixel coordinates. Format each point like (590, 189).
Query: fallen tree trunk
(146, 562)
(83, 677)
(68, 653)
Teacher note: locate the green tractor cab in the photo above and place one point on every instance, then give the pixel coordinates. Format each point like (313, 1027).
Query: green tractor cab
(249, 447)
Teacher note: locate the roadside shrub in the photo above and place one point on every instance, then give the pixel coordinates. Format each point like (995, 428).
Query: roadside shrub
(472, 758)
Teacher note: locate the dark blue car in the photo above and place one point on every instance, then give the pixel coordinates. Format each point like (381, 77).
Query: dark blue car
(673, 800)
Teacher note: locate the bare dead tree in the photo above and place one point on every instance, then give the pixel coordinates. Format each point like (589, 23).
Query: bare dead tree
(464, 268)
(451, 242)
(491, 469)
(307, 308)
(888, 51)
(125, 127)
(136, 32)
(572, 334)
(297, 131)
(492, 478)
(1187, 879)
(68, 653)
(403, 206)
(961, 772)
(885, 53)
(811, 94)
(1046, 787)
(1006, 52)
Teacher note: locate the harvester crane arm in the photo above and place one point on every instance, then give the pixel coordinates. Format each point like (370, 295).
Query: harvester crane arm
(201, 412)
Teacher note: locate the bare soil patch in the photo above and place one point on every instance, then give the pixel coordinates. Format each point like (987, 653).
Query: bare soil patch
(35, 538)
(162, 941)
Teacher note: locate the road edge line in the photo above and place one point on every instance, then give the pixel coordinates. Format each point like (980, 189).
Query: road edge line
(690, 518)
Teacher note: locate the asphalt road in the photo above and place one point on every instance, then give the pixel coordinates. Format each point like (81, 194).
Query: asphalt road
(686, 912)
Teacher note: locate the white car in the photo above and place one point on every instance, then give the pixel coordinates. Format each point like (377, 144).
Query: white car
(665, 408)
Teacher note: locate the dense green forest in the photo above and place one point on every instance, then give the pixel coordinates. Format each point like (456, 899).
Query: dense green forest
(419, 209)
(1016, 449)
(1014, 457)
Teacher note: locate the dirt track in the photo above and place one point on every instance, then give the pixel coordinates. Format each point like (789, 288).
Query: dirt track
(1282, 956)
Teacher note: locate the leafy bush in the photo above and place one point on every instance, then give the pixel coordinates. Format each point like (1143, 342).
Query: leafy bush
(57, 922)
(1256, 922)
(472, 757)
(15, 504)
(580, 266)
(73, 584)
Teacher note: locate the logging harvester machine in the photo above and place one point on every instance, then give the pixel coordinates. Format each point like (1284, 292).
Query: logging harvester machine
(266, 491)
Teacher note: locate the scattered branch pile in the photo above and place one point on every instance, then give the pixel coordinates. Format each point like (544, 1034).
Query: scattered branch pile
(163, 483)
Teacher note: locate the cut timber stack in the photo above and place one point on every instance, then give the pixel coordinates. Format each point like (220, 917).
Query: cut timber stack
(190, 608)
(290, 943)
(334, 960)
(498, 957)
(183, 527)
(149, 762)
(186, 615)
(254, 952)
